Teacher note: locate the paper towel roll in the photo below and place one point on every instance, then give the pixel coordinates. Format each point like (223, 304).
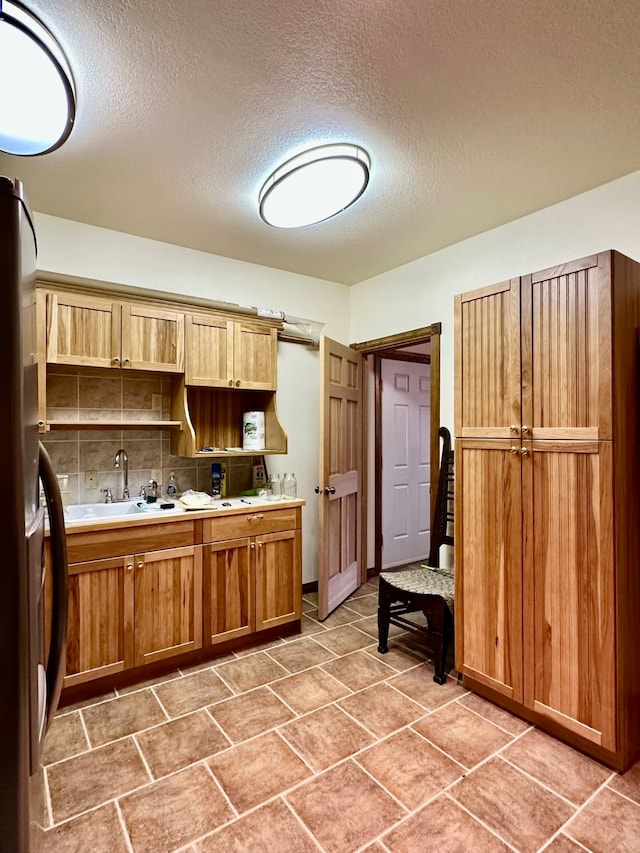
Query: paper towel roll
(253, 431)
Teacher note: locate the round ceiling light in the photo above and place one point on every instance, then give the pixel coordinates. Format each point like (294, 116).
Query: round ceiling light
(315, 185)
(37, 96)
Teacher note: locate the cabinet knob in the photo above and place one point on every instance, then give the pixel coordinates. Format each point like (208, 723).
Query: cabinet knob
(513, 449)
(525, 428)
(237, 383)
(129, 567)
(260, 544)
(524, 451)
(231, 383)
(126, 361)
(140, 564)
(253, 545)
(513, 428)
(116, 360)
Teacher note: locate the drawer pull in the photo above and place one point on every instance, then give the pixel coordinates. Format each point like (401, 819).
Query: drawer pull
(255, 517)
(129, 567)
(140, 565)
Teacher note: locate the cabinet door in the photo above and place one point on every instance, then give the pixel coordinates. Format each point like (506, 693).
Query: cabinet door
(488, 559)
(83, 330)
(152, 338)
(487, 366)
(168, 603)
(229, 583)
(254, 356)
(570, 618)
(278, 578)
(209, 351)
(100, 629)
(566, 351)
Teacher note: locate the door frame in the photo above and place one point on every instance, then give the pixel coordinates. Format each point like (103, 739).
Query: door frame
(389, 347)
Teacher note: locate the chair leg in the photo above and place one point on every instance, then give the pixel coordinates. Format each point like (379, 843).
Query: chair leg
(440, 659)
(438, 624)
(384, 616)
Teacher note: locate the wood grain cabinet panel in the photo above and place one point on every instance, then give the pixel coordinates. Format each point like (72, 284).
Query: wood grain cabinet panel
(152, 338)
(278, 579)
(547, 534)
(229, 584)
(82, 330)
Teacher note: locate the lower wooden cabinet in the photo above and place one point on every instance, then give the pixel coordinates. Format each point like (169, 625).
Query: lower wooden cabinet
(278, 578)
(131, 610)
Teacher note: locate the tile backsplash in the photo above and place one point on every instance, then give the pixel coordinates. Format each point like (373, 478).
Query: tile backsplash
(74, 395)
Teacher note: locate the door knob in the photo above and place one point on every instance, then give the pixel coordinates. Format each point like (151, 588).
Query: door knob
(317, 490)
(329, 490)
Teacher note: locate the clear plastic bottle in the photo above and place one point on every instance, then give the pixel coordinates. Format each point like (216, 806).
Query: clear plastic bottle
(290, 486)
(276, 486)
(172, 487)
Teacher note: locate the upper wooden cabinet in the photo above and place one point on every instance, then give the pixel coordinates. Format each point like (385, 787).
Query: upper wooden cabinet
(547, 534)
(230, 353)
(91, 331)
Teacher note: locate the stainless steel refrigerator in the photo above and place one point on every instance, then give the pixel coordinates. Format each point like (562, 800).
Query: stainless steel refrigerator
(31, 658)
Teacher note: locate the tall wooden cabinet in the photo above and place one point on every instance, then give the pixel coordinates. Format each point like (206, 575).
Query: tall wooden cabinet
(547, 513)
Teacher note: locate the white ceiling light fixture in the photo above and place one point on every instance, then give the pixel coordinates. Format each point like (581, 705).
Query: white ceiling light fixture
(37, 96)
(315, 185)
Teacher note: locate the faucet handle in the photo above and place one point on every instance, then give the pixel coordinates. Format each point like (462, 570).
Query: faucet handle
(109, 497)
(142, 492)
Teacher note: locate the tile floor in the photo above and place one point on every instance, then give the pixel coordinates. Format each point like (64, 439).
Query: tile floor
(318, 743)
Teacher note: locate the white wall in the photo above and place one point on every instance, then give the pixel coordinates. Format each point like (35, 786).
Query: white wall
(74, 249)
(420, 293)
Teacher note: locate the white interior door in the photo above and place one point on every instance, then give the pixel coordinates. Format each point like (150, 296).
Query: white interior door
(406, 465)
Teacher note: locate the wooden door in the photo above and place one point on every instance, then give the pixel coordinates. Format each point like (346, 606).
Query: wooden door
(208, 351)
(255, 356)
(488, 560)
(100, 621)
(168, 603)
(339, 552)
(152, 338)
(487, 363)
(566, 351)
(229, 584)
(570, 607)
(82, 330)
(406, 451)
(278, 578)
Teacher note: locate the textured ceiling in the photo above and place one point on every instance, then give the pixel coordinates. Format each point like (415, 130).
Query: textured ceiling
(474, 113)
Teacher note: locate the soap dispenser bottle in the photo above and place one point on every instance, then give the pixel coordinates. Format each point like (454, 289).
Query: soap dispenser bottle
(172, 487)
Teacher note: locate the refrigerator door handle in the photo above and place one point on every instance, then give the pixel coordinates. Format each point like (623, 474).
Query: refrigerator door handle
(59, 606)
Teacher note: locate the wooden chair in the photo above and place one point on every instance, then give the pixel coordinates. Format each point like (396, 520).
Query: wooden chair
(428, 589)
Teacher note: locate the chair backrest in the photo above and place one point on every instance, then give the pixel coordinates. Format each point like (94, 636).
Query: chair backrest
(442, 526)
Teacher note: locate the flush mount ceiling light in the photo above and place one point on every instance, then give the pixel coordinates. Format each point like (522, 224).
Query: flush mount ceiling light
(315, 185)
(37, 97)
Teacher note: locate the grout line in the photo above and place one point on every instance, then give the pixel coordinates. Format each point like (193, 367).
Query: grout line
(482, 823)
(143, 758)
(123, 824)
(224, 794)
(539, 782)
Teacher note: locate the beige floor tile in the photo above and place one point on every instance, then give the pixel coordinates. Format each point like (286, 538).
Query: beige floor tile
(358, 670)
(409, 768)
(517, 809)
(310, 626)
(271, 828)
(628, 783)
(65, 738)
(365, 605)
(325, 737)
(250, 714)
(565, 771)
(608, 822)
(174, 811)
(87, 780)
(191, 692)
(344, 808)
(381, 709)
(85, 703)
(311, 597)
(181, 742)
(253, 772)
(418, 684)
(123, 716)
(99, 831)
(302, 654)
(259, 647)
(442, 825)
(309, 690)
(342, 616)
(400, 656)
(370, 626)
(343, 640)
(149, 682)
(463, 735)
(250, 672)
(369, 588)
(562, 844)
(495, 715)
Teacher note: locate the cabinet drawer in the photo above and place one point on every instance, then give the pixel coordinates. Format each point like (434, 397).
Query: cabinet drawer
(250, 524)
(117, 542)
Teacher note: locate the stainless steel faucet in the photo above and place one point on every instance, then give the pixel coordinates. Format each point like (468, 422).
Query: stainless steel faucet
(122, 461)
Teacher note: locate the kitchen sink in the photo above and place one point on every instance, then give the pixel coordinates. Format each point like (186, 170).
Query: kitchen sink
(118, 509)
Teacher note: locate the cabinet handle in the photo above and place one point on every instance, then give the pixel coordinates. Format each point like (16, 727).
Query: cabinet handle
(513, 428)
(253, 544)
(525, 428)
(126, 361)
(237, 383)
(116, 360)
(260, 544)
(513, 449)
(129, 567)
(231, 383)
(140, 564)
(524, 451)
(255, 517)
